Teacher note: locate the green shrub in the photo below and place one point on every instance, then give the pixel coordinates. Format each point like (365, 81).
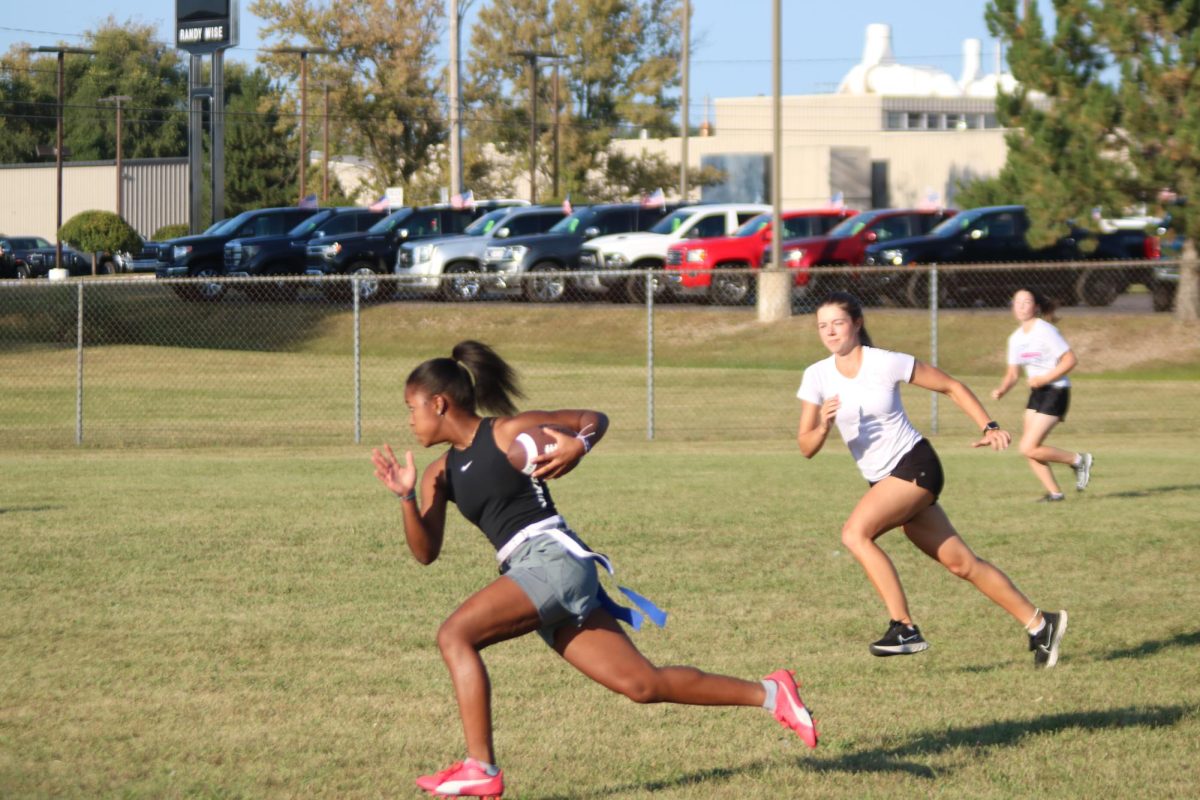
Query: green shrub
(100, 232)
(171, 232)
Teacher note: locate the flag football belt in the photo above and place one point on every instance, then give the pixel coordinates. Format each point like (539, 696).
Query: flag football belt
(556, 528)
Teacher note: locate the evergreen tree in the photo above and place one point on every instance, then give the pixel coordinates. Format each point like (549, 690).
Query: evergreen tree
(1120, 122)
(260, 164)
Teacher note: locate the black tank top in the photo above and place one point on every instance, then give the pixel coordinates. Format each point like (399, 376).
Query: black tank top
(490, 492)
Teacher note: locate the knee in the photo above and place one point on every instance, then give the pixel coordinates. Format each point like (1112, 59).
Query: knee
(961, 567)
(451, 638)
(854, 537)
(641, 688)
(1028, 448)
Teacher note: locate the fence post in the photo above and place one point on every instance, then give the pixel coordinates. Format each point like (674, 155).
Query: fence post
(649, 282)
(79, 364)
(933, 343)
(357, 361)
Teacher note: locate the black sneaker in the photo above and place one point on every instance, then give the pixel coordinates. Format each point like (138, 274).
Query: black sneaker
(900, 640)
(1051, 498)
(1083, 471)
(1045, 644)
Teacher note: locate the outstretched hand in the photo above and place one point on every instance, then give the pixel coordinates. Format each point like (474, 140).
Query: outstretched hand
(995, 438)
(400, 479)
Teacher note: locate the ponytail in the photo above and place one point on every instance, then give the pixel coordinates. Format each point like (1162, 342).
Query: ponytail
(850, 304)
(474, 377)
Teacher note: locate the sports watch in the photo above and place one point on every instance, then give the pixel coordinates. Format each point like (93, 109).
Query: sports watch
(991, 426)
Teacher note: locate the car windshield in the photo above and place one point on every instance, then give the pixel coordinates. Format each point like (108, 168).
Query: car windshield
(309, 225)
(959, 222)
(852, 225)
(390, 221)
(671, 222)
(753, 226)
(230, 225)
(483, 226)
(578, 222)
(213, 228)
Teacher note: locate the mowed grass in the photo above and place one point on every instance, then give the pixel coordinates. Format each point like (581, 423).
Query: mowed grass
(212, 597)
(231, 623)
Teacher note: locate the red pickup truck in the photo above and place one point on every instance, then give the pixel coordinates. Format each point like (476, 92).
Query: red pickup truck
(715, 267)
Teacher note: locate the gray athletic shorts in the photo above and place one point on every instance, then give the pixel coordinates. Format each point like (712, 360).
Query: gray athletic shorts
(563, 588)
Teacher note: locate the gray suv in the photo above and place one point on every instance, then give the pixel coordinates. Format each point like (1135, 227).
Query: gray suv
(421, 266)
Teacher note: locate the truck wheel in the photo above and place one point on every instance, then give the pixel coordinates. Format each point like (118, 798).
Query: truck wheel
(730, 288)
(1099, 287)
(371, 287)
(205, 291)
(1162, 295)
(24, 272)
(635, 287)
(548, 288)
(458, 287)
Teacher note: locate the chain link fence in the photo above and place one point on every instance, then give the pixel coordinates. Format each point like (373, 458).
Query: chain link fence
(291, 360)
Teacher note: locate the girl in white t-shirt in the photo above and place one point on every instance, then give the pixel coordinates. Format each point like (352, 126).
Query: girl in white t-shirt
(1040, 348)
(857, 388)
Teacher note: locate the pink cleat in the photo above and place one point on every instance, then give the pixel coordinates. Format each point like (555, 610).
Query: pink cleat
(463, 779)
(789, 708)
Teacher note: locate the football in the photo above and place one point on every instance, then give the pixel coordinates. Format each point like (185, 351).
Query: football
(531, 443)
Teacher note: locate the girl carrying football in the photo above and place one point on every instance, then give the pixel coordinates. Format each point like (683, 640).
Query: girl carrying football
(856, 388)
(548, 580)
(1038, 346)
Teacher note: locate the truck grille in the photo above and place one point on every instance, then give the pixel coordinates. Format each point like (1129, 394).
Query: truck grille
(587, 259)
(233, 256)
(674, 258)
(406, 259)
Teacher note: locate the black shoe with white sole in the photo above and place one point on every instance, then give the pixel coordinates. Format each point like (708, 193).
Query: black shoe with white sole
(900, 640)
(1045, 644)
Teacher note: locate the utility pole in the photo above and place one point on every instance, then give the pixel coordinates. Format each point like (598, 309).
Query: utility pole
(531, 57)
(775, 283)
(454, 12)
(304, 53)
(684, 101)
(325, 147)
(58, 140)
(118, 99)
(557, 163)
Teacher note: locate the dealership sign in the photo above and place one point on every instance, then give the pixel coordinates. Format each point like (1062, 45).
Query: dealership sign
(205, 26)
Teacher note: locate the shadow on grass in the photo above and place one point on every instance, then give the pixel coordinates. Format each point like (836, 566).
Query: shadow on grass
(29, 509)
(1004, 733)
(1153, 490)
(1152, 646)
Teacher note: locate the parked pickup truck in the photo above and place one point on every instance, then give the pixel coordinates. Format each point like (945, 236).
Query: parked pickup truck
(284, 254)
(552, 254)
(846, 245)
(998, 234)
(648, 250)
(373, 252)
(203, 255)
(422, 267)
(715, 268)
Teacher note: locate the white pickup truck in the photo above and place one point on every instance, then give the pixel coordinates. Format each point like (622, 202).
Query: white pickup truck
(648, 250)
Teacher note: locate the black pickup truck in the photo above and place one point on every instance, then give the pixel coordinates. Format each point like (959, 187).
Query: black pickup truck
(284, 254)
(374, 251)
(997, 235)
(203, 255)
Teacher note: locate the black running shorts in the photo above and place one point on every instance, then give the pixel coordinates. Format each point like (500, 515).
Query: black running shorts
(921, 466)
(1052, 400)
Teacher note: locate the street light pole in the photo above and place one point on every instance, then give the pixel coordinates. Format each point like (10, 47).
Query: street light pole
(684, 101)
(118, 99)
(325, 147)
(58, 143)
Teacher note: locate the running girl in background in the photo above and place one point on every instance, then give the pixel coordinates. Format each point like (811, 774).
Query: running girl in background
(856, 388)
(1038, 346)
(549, 581)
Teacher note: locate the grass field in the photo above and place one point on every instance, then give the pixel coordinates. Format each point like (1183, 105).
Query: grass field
(244, 621)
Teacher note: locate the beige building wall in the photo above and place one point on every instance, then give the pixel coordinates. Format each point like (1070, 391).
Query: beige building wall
(155, 194)
(816, 128)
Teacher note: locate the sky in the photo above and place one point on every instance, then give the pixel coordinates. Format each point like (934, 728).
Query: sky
(731, 54)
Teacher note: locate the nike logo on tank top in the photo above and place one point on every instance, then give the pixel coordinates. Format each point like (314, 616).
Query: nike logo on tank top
(490, 493)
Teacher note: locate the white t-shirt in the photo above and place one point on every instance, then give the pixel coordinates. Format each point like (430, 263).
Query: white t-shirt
(871, 418)
(1038, 351)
